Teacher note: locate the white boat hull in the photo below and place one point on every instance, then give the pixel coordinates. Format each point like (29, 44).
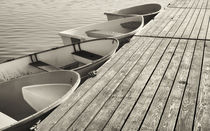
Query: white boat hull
(60, 58)
(120, 29)
(22, 110)
(148, 11)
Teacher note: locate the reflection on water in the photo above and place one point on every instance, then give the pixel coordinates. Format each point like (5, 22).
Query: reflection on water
(28, 26)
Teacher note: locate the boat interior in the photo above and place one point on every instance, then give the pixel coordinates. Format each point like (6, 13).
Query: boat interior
(141, 9)
(112, 28)
(65, 57)
(81, 55)
(25, 96)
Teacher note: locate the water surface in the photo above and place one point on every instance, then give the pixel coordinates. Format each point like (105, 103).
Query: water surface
(28, 26)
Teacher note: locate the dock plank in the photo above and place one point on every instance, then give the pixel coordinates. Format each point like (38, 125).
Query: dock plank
(202, 120)
(154, 112)
(75, 111)
(156, 24)
(92, 109)
(185, 119)
(183, 4)
(119, 117)
(191, 24)
(106, 112)
(197, 28)
(135, 119)
(204, 27)
(168, 116)
(185, 24)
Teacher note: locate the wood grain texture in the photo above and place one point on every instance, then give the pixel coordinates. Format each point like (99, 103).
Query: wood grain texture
(140, 109)
(120, 114)
(170, 112)
(202, 120)
(95, 106)
(187, 109)
(153, 116)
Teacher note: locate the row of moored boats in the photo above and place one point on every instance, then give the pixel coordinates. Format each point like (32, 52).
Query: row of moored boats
(36, 84)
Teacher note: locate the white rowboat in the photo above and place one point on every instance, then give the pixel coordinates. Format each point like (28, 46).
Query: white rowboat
(29, 99)
(82, 57)
(148, 11)
(120, 29)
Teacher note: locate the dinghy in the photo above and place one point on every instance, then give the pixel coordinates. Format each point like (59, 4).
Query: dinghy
(120, 29)
(29, 99)
(81, 57)
(149, 11)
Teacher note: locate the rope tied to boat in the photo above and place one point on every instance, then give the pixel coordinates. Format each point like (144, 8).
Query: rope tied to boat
(35, 126)
(92, 73)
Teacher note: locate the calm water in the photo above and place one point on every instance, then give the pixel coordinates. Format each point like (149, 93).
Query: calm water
(28, 26)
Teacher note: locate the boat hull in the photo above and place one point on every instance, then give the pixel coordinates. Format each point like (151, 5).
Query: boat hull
(110, 29)
(18, 108)
(60, 57)
(148, 11)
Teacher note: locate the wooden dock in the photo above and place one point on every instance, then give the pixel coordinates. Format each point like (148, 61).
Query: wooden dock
(158, 81)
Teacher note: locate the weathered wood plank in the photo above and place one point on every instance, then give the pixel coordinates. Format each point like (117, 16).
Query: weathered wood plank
(110, 106)
(191, 24)
(153, 116)
(172, 2)
(88, 114)
(184, 4)
(188, 105)
(139, 112)
(155, 24)
(178, 23)
(185, 23)
(208, 5)
(205, 5)
(202, 120)
(172, 25)
(200, 4)
(194, 5)
(125, 107)
(202, 117)
(204, 27)
(165, 14)
(197, 27)
(180, 3)
(208, 31)
(180, 20)
(82, 103)
(167, 119)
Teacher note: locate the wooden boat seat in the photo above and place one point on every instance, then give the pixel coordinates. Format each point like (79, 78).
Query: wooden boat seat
(73, 65)
(102, 33)
(131, 25)
(6, 120)
(44, 66)
(85, 56)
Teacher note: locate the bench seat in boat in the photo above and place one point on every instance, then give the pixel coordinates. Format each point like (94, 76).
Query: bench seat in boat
(5, 120)
(44, 66)
(85, 56)
(102, 33)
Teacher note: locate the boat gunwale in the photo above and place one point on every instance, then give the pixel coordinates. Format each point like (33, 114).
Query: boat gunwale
(130, 15)
(81, 67)
(51, 106)
(140, 18)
